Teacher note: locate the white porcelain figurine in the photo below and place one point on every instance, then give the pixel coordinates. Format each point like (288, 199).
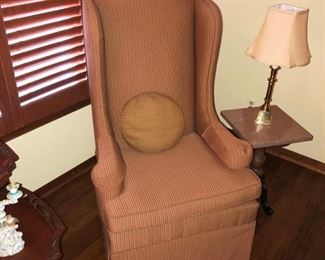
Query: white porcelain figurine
(11, 241)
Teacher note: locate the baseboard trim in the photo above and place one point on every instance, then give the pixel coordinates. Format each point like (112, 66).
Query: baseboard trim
(298, 159)
(55, 185)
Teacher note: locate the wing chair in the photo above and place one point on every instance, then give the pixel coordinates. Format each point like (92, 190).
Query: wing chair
(171, 181)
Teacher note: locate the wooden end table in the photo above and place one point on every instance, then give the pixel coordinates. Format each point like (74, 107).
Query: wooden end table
(42, 228)
(283, 131)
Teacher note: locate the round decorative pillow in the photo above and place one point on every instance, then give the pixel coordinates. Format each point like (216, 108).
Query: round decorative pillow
(151, 123)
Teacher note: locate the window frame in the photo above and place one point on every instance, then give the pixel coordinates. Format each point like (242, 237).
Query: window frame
(16, 119)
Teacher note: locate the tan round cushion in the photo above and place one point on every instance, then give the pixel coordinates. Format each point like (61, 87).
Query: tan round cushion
(151, 123)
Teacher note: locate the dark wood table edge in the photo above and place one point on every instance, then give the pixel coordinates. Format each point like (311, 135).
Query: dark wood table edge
(54, 222)
(259, 156)
(279, 144)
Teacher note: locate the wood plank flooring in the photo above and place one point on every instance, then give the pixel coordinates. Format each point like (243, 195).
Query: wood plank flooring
(297, 228)
(295, 231)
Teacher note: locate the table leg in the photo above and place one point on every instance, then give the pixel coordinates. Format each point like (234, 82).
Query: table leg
(257, 166)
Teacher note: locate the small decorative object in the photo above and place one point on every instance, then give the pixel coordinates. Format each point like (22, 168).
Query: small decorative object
(14, 192)
(11, 241)
(281, 42)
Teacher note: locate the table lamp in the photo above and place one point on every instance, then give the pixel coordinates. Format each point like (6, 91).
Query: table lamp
(281, 42)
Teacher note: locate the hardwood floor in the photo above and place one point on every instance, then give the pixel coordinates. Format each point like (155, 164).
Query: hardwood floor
(295, 231)
(297, 228)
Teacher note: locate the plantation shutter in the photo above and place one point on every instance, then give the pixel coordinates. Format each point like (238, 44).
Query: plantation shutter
(43, 57)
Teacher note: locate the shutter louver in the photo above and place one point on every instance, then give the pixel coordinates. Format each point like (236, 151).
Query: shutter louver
(45, 40)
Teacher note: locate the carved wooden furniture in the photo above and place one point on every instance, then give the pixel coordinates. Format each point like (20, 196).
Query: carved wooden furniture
(42, 228)
(7, 163)
(283, 131)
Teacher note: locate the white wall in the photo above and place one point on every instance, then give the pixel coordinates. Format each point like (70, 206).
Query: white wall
(300, 92)
(53, 149)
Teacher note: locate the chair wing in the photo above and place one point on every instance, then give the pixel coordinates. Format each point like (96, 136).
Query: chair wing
(235, 153)
(108, 174)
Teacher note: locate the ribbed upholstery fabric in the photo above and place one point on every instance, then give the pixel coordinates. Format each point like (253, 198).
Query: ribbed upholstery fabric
(108, 174)
(151, 123)
(234, 152)
(184, 227)
(196, 200)
(226, 244)
(183, 181)
(151, 52)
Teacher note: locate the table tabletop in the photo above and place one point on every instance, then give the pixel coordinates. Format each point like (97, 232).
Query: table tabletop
(42, 228)
(283, 131)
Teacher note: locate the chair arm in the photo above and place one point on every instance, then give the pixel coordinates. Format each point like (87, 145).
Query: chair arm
(235, 153)
(109, 172)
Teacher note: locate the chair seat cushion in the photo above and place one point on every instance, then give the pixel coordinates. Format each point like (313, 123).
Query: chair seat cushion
(186, 180)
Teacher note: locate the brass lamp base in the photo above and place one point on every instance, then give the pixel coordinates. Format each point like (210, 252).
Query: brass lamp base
(263, 117)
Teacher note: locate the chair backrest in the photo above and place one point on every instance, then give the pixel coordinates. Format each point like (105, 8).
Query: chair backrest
(149, 47)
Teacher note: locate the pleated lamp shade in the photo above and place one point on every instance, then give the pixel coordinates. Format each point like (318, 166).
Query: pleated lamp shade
(282, 40)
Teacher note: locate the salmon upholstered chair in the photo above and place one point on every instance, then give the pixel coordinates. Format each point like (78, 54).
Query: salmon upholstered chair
(171, 181)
